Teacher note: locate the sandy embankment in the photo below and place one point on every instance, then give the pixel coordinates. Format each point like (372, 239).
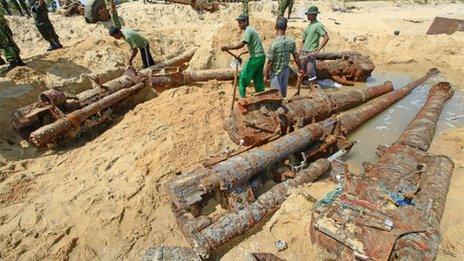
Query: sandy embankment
(105, 199)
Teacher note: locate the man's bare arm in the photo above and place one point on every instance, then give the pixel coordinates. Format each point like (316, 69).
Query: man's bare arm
(131, 59)
(233, 47)
(267, 70)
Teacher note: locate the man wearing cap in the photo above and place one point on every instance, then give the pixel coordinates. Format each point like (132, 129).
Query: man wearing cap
(311, 37)
(277, 69)
(253, 69)
(135, 41)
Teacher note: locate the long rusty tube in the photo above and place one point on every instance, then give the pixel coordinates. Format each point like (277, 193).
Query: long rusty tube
(308, 110)
(352, 121)
(188, 77)
(299, 110)
(420, 131)
(236, 223)
(47, 133)
(126, 81)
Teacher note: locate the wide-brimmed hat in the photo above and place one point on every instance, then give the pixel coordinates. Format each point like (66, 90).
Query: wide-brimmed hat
(242, 17)
(313, 10)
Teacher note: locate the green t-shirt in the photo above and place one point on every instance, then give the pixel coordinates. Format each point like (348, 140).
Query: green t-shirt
(134, 39)
(311, 36)
(279, 53)
(251, 38)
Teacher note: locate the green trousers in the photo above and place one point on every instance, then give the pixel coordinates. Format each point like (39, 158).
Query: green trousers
(284, 4)
(252, 70)
(7, 44)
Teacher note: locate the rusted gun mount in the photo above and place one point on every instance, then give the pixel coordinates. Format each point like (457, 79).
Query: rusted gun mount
(393, 211)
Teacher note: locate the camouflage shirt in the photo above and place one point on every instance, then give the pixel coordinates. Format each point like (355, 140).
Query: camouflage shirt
(280, 51)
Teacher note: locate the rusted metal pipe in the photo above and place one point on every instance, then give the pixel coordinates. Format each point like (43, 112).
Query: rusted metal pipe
(47, 133)
(337, 55)
(166, 81)
(129, 80)
(399, 201)
(317, 109)
(351, 121)
(255, 118)
(352, 68)
(420, 131)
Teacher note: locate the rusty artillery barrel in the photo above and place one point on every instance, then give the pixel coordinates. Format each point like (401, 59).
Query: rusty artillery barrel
(236, 223)
(165, 81)
(47, 133)
(352, 121)
(129, 80)
(256, 118)
(400, 200)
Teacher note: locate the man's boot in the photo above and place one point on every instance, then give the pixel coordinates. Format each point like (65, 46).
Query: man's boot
(57, 44)
(14, 64)
(51, 47)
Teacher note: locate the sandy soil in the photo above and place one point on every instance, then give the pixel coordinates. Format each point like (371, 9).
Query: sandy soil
(103, 197)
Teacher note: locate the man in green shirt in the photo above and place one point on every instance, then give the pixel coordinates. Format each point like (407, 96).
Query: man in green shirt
(135, 41)
(311, 37)
(253, 69)
(277, 69)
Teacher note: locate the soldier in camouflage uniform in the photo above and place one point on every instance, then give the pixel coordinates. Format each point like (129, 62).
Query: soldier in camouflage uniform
(23, 5)
(8, 45)
(43, 24)
(111, 6)
(284, 4)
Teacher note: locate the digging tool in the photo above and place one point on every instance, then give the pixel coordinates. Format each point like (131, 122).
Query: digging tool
(298, 84)
(237, 62)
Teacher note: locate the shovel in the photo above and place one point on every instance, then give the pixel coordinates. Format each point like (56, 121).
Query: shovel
(235, 64)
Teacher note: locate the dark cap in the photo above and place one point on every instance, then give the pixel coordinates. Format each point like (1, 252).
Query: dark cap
(313, 10)
(242, 17)
(113, 30)
(281, 23)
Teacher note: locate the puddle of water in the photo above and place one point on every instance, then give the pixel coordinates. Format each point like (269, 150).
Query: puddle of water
(386, 127)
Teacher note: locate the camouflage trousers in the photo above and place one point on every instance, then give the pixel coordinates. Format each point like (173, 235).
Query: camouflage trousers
(7, 44)
(284, 4)
(245, 8)
(111, 6)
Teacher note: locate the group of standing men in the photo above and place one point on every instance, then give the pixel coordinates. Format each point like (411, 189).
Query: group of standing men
(39, 11)
(277, 70)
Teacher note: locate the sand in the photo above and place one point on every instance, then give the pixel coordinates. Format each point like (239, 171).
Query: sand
(103, 198)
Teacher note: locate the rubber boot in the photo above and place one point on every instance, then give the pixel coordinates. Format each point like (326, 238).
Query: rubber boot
(57, 44)
(14, 64)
